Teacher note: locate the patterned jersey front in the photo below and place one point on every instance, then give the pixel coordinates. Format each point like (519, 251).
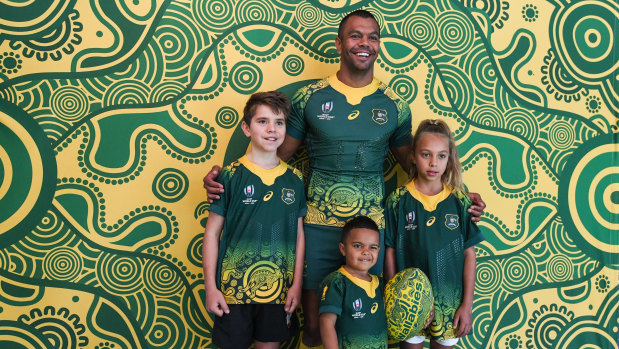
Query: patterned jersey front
(432, 239)
(258, 244)
(360, 309)
(348, 132)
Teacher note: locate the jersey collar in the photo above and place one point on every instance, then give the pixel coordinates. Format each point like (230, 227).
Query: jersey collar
(429, 202)
(266, 176)
(353, 95)
(368, 286)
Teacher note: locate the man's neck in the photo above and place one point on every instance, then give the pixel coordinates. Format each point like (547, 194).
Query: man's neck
(360, 79)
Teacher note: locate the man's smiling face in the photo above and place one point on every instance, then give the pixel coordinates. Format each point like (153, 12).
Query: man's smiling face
(358, 44)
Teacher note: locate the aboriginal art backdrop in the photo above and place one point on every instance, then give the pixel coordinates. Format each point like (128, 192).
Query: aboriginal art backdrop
(112, 111)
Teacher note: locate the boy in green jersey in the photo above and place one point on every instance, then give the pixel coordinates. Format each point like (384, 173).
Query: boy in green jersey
(253, 269)
(352, 306)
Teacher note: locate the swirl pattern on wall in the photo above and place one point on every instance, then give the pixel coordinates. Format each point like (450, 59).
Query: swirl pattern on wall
(111, 112)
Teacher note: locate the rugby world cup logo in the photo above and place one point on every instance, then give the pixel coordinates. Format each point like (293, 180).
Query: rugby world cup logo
(357, 304)
(249, 190)
(327, 107)
(410, 217)
(410, 220)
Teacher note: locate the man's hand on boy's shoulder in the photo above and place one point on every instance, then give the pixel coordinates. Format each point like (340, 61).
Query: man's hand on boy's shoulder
(477, 207)
(213, 188)
(216, 302)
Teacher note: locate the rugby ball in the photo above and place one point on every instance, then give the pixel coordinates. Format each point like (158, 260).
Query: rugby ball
(408, 302)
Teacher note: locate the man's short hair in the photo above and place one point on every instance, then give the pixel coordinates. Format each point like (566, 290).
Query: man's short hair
(358, 13)
(359, 222)
(276, 100)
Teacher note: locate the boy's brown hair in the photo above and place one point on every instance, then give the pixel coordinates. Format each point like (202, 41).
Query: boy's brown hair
(276, 100)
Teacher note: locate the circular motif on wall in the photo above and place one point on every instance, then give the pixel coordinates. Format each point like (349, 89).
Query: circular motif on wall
(589, 198)
(170, 185)
(245, 78)
(293, 65)
(227, 117)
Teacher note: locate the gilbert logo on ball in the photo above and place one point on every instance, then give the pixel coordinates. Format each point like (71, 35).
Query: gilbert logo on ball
(408, 302)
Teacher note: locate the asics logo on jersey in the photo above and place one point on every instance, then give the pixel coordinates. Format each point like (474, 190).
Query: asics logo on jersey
(374, 307)
(353, 115)
(268, 196)
(430, 221)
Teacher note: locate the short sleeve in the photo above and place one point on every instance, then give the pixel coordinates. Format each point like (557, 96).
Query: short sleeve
(302, 200)
(295, 125)
(220, 206)
(391, 219)
(402, 135)
(332, 294)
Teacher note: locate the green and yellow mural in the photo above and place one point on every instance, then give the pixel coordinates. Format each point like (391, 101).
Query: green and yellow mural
(112, 111)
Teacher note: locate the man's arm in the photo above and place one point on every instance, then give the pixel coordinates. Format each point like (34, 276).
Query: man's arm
(403, 155)
(287, 149)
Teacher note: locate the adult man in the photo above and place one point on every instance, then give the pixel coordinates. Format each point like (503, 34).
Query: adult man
(348, 120)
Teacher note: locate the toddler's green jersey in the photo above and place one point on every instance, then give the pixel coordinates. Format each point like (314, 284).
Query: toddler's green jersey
(258, 244)
(348, 132)
(431, 233)
(360, 309)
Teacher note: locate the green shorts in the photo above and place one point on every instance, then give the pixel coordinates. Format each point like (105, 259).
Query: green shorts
(322, 254)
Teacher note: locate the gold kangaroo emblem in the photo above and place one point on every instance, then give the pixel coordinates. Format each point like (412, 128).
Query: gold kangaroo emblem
(353, 115)
(268, 196)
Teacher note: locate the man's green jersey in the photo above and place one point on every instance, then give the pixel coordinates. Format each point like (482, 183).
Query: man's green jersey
(431, 233)
(258, 244)
(348, 132)
(360, 309)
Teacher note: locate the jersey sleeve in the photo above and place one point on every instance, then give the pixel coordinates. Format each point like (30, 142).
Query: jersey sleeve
(403, 132)
(302, 199)
(332, 294)
(220, 206)
(391, 219)
(295, 125)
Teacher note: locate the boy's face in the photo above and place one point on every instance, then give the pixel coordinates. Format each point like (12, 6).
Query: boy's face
(361, 250)
(267, 130)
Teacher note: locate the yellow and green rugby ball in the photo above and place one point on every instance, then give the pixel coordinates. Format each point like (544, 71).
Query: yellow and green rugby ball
(408, 302)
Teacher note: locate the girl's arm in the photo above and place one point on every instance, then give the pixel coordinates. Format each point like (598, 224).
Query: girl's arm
(215, 301)
(463, 319)
(294, 292)
(389, 268)
(327, 330)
